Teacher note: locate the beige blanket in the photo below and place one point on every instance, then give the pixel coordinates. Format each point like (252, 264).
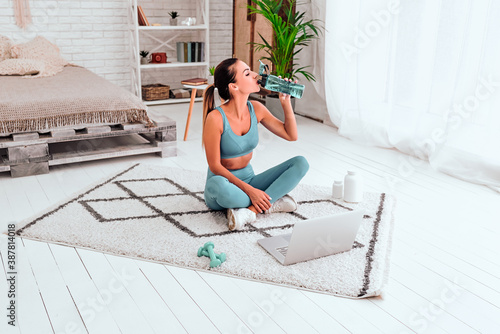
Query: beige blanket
(74, 96)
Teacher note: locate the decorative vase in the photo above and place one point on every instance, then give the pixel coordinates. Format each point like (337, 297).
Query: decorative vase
(173, 22)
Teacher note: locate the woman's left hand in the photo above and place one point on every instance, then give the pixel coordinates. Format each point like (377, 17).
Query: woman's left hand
(285, 97)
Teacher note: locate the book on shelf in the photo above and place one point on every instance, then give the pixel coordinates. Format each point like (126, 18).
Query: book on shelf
(189, 52)
(195, 81)
(139, 17)
(143, 21)
(193, 52)
(145, 18)
(179, 93)
(180, 52)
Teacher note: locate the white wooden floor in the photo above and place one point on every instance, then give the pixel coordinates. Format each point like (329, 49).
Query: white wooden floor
(445, 270)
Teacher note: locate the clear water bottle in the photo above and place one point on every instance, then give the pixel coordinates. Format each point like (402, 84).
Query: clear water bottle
(353, 187)
(275, 84)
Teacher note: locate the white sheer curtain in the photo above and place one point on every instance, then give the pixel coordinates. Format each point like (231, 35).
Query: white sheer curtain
(421, 76)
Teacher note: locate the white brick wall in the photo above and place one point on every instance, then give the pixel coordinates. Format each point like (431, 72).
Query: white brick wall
(94, 33)
(221, 30)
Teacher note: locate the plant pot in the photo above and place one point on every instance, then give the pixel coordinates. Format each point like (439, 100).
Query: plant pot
(210, 80)
(173, 22)
(144, 60)
(273, 104)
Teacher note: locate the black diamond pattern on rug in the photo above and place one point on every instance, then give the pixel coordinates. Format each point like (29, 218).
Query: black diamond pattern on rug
(164, 198)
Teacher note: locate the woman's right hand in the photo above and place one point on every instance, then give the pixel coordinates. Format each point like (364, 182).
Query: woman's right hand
(260, 200)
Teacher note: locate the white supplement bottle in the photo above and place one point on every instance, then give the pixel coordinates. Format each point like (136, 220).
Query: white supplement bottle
(337, 189)
(353, 187)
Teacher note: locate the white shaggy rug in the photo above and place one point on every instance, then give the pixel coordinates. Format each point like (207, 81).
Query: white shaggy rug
(158, 213)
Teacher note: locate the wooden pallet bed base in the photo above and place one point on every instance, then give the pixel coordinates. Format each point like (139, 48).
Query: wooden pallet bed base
(32, 153)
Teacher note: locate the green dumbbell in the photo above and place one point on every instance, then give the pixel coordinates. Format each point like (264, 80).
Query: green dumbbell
(208, 250)
(221, 256)
(203, 252)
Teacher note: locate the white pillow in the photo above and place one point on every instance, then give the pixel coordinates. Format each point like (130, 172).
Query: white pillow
(5, 44)
(40, 48)
(21, 66)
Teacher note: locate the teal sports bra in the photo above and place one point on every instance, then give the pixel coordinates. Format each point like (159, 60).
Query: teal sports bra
(232, 145)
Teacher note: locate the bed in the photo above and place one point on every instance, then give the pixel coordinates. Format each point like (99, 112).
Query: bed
(74, 116)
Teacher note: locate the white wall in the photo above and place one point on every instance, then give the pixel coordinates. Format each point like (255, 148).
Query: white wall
(95, 33)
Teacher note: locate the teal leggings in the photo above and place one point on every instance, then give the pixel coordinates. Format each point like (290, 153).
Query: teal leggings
(276, 182)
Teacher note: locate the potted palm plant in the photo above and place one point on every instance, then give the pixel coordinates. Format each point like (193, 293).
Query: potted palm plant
(144, 55)
(291, 33)
(173, 17)
(211, 71)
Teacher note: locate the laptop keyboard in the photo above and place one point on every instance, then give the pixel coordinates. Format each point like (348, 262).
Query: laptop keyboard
(282, 250)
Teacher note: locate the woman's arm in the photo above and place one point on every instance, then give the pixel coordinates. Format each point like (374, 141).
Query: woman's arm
(211, 140)
(286, 130)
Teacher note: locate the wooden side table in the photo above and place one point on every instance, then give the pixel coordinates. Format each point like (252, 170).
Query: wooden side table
(191, 103)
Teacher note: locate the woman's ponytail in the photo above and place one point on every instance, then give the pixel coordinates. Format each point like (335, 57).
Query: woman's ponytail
(208, 105)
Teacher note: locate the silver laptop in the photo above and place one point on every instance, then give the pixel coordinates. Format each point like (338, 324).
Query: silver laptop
(314, 238)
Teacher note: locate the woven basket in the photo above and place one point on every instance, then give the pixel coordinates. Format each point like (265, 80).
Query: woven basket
(155, 92)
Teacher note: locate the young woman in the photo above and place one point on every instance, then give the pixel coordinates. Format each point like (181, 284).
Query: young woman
(229, 136)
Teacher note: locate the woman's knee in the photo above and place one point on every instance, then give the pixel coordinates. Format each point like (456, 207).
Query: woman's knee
(301, 164)
(219, 192)
(213, 188)
(216, 183)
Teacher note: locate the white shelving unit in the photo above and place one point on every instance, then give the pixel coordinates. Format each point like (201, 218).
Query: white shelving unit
(166, 36)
